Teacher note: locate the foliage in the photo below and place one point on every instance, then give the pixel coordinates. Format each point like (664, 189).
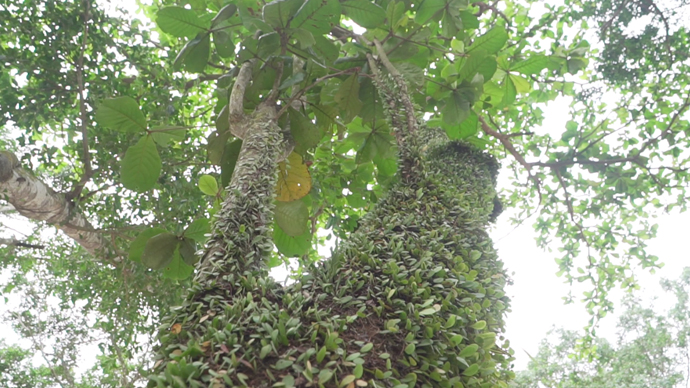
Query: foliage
(651, 350)
(127, 117)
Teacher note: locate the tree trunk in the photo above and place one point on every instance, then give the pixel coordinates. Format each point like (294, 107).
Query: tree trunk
(413, 298)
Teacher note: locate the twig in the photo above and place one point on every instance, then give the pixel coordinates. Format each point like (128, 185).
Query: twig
(483, 7)
(505, 141)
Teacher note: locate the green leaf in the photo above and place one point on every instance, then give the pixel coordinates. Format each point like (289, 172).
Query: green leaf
(509, 92)
(467, 128)
(532, 65)
(491, 42)
(269, 44)
(225, 47)
(428, 311)
(469, 350)
(428, 10)
(141, 165)
(216, 146)
(187, 251)
(469, 21)
(177, 269)
(317, 16)
(224, 14)
(277, 13)
(121, 114)
(292, 217)
(180, 22)
(282, 364)
(208, 185)
(159, 250)
(291, 246)
(365, 13)
(472, 65)
(292, 80)
(472, 370)
(325, 49)
(479, 325)
(229, 160)
(164, 136)
(347, 98)
(457, 109)
(306, 134)
(194, 55)
(521, 84)
(198, 230)
(136, 248)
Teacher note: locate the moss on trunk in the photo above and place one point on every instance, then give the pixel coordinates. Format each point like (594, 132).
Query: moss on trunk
(414, 297)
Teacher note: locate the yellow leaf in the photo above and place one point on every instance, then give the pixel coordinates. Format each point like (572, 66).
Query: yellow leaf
(294, 180)
(176, 328)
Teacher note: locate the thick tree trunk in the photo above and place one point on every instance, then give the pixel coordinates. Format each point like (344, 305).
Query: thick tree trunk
(35, 200)
(413, 298)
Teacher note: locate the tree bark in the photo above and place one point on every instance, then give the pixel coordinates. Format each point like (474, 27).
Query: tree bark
(35, 200)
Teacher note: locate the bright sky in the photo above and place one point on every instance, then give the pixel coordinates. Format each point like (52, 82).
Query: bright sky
(536, 293)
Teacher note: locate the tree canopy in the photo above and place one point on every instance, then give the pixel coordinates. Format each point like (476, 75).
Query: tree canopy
(121, 124)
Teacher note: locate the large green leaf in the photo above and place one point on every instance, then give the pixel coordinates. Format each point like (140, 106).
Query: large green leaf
(159, 250)
(136, 248)
(177, 269)
(532, 65)
(467, 128)
(306, 134)
(347, 98)
(222, 40)
(194, 55)
(208, 185)
(325, 49)
(317, 16)
(224, 14)
(457, 108)
(180, 22)
(291, 246)
(365, 13)
(472, 65)
(164, 136)
(141, 165)
(428, 10)
(121, 114)
(277, 13)
(198, 230)
(491, 42)
(292, 217)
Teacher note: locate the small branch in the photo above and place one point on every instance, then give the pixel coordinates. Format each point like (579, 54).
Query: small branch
(236, 104)
(16, 243)
(83, 117)
(505, 141)
(483, 7)
(203, 78)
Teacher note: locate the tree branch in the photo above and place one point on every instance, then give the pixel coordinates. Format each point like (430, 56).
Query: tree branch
(16, 243)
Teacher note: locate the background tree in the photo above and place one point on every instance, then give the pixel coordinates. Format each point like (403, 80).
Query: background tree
(591, 182)
(651, 350)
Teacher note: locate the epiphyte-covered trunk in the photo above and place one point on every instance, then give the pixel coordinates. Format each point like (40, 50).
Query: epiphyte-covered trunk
(414, 298)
